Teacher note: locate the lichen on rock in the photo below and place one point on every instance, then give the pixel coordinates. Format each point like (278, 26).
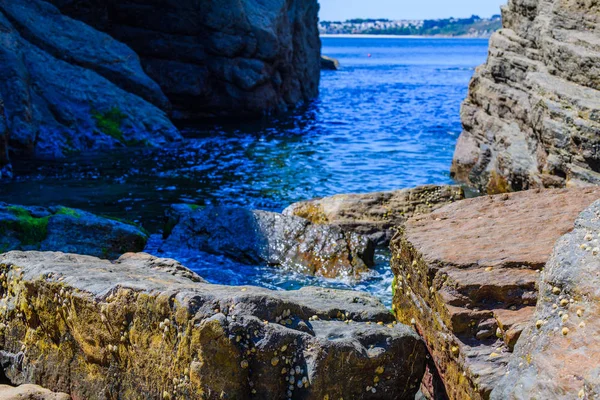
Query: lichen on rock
(101, 330)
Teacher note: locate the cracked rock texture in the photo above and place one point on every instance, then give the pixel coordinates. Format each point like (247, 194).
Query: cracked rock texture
(467, 276)
(67, 230)
(375, 215)
(102, 330)
(557, 355)
(532, 116)
(66, 87)
(262, 237)
(217, 57)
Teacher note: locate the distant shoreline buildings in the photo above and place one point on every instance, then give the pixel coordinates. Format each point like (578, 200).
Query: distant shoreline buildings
(473, 26)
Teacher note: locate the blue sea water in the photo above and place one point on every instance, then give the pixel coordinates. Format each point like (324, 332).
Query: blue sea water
(389, 119)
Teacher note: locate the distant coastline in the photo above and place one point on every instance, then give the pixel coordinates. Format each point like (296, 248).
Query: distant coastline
(377, 36)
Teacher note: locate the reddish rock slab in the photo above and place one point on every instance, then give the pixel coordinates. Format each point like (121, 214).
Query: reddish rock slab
(466, 277)
(558, 355)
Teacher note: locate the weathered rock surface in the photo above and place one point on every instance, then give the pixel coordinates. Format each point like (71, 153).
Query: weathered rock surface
(375, 215)
(30, 392)
(532, 116)
(558, 354)
(102, 330)
(467, 276)
(68, 230)
(65, 87)
(261, 237)
(216, 58)
(329, 63)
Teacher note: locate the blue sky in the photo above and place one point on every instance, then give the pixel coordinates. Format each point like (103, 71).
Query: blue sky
(407, 9)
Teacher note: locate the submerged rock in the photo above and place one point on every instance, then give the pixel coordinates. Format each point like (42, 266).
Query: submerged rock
(217, 58)
(329, 63)
(261, 237)
(68, 230)
(30, 392)
(532, 116)
(557, 355)
(65, 87)
(467, 275)
(102, 330)
(375, 215)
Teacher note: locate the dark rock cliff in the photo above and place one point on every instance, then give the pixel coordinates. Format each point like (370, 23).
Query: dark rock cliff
(217, 57)
(532, 117)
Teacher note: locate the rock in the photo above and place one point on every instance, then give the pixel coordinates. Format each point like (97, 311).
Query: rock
(467, 276)
(375, 215)
(261, 237)
(30, 392)
(68, 230)
(329, 63)
(65, 87)
(217, 58)
(532, 116)
(549, 361)
(102, 330)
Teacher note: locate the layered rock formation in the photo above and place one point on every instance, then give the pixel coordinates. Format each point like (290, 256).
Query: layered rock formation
(375, 215)
(261, 237)
(65, 87)
(102, 330)
(68, 230)
(30, 392)
(557, 355)
(466, 276)
(532, 117)
(215, 58)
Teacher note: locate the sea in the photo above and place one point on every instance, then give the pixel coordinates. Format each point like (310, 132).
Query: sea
(388, 119)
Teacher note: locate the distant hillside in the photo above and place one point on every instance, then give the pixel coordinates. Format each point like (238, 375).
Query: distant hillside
(466, 27)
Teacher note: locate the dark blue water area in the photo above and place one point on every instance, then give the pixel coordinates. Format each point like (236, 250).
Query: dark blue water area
(383, 122)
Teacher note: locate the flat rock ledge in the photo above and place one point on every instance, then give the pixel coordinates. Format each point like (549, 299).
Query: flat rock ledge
(261, 237)
(558, 354)
(375, 215)
(467, 274)
(30, 392)
(97, 329)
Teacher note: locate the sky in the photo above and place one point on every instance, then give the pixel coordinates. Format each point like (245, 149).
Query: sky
(339, 10)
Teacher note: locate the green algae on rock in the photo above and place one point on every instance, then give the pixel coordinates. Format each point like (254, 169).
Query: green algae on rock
(68, 230)
(101, 330)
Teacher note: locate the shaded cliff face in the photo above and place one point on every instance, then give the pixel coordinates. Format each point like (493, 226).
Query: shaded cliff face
(66, 87)
(532, 117)
(215, 57)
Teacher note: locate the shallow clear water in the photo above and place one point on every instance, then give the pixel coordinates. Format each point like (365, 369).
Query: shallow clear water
(382, 122)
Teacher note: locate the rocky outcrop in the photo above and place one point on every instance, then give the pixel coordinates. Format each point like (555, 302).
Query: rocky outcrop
(329, 63)
(30, 392)
(65, 87)
(102, 330)
(557, 355)
(532, 115)
(466, 276)
(375, 215)
(261, 237)
(217, 58)
(68, 230)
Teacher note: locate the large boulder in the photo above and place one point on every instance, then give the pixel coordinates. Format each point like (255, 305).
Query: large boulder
(68, 230)
(215, 57)
(102, 330)
(532, 116)
(557, 355)
(66, 87)
(376, 215)
(30, 392)
(262, 237)
(466, 276)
